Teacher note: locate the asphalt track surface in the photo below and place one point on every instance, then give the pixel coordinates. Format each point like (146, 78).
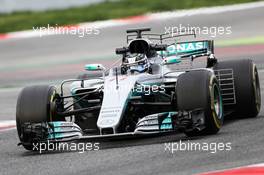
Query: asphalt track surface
(36, 60)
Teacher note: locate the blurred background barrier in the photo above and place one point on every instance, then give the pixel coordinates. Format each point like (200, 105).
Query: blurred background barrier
(26, 14)
(9, 6)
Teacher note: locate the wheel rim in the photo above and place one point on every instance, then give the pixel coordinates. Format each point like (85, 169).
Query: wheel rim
(218, 108)
(257, 92)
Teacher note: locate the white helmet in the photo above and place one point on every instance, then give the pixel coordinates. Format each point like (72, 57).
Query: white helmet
(137, 62)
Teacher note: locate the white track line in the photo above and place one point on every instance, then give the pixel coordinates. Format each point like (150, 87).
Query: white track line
(7, 125)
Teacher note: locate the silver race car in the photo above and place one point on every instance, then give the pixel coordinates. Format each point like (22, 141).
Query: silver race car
(156, 89)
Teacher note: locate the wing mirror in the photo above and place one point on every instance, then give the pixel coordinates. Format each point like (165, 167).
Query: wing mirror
(95, 67)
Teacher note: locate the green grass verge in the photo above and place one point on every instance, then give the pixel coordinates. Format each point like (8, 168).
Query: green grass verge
(240, 41)
(107, 10)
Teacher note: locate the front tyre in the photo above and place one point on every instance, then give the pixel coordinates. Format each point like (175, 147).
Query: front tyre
(33, 106)
(200, 90)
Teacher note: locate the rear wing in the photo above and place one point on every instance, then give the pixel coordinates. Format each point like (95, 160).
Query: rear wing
(138, 33)
(190, 49)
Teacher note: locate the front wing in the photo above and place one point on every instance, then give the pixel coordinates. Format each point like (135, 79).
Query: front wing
(155, 124)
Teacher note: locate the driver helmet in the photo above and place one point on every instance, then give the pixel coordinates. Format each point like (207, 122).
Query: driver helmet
(138, 62)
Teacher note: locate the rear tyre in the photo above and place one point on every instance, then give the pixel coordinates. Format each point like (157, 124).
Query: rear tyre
(33, 106)
(247, 87)
(200, 90)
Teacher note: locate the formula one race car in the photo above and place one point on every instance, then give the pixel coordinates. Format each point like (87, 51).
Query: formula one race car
(154, 90)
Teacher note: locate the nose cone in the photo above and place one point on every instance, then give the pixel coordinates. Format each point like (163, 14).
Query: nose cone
(115, 101)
